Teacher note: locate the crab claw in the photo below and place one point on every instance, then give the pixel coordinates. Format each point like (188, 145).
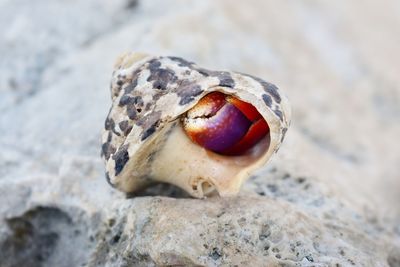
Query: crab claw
(225, 124)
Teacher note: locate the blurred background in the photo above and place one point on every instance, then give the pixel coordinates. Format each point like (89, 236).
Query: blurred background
(337, 61)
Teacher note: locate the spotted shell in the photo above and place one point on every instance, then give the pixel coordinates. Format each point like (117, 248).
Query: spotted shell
(143, 141)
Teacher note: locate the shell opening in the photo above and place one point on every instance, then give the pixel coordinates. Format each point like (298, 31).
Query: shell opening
(225, 125)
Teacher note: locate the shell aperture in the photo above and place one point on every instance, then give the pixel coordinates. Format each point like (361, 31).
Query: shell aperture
(224, 124)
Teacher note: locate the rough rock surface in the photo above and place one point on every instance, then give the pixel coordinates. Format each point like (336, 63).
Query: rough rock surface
(329, 198)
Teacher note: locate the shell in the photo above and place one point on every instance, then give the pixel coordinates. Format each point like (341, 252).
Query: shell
(144, 142)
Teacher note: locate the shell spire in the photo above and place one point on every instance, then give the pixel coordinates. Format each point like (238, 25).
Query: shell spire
(173, 121)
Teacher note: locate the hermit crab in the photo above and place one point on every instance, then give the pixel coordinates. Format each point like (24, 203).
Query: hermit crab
(201, 130)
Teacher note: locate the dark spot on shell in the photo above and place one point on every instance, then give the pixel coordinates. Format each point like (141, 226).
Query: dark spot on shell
(131, 111)
(272, 90)
(226, 80)
(109, 124)
(149, 119)
(268, 87)
(188, 91)
(125, 99)
(121, 158)
(138, 101)
(267, 99)
(125, 127)
(149, 123)
(135, 76)
(204, 72)
(154, 64)
(181, 62)
(107, 150)
(279, 114)
(109, 137)
(161, 78)
(149, 131)
(133, 105)
(148, 106)
(129, 89)
(187, 98)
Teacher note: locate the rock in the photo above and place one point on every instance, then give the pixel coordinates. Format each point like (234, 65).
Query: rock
(242, 231)
(328, 198)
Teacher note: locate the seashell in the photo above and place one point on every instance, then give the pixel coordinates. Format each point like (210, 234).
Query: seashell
(201, 130)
